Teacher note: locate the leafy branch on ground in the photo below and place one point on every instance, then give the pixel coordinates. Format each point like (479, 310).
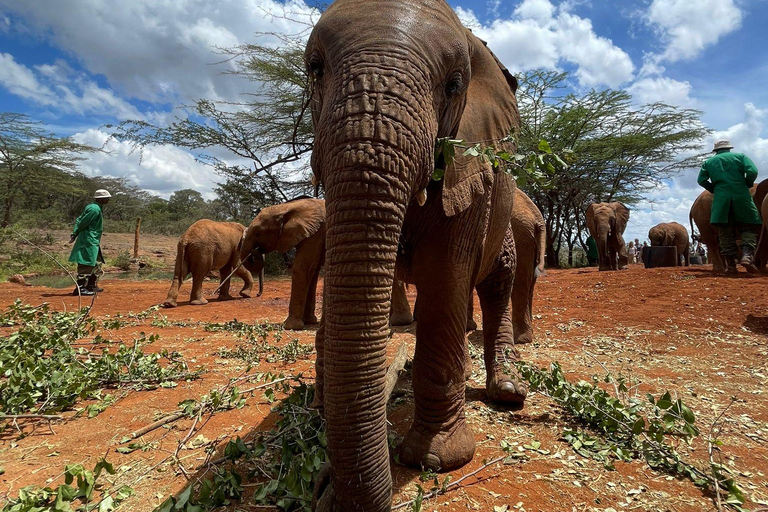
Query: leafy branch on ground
(67, 497)
(286, 459)
(626, 427)
(256, 343)
(43, 371)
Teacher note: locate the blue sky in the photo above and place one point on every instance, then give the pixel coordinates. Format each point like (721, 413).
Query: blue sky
(78, 64)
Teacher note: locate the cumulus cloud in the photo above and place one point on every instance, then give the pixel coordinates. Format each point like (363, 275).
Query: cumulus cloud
(160, 170)
(158, 51)
(58, 85)
(689, 27)
(663, 89)
(539, 35)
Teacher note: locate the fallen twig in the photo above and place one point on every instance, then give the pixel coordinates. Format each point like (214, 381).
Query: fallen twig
(450, 486)
(49, 417)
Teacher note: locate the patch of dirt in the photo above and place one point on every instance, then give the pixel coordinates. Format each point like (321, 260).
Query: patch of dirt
(700, 336)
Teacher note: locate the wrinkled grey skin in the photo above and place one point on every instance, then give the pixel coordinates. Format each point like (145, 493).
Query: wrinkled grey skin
(389, 78)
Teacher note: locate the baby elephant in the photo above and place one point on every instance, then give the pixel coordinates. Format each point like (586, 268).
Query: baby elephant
(672, 234)
(209, 245)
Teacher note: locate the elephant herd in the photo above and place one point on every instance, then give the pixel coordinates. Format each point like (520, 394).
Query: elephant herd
(388, 79)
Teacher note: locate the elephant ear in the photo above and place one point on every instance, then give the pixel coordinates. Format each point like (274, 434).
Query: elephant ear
(300, 222)
(490, 114)
(590, 216)
(622, 216)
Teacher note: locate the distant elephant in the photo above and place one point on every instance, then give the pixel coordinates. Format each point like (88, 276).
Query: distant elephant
(209, 245)
(672, 234)
(606, 223)
(388, 79)
(300, 223)
(701, 212)
(530, 242)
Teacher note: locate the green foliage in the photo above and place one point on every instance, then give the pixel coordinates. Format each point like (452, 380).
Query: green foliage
(41, 371)
(68, 497)
(290, 455)
(628, 427)
(122, 261)
(256, 343)
(535, 168)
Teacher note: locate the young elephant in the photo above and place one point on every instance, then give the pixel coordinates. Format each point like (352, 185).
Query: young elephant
(209, 245)
(300, 223)
(672, 234)
(606, 223)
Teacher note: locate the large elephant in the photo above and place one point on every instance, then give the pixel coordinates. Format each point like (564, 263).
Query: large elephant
(606, 223)
(209, 245)
(301, 224)
(672, 234)
(701, 212)
(761, 253)
(530, 234)
(389, 79)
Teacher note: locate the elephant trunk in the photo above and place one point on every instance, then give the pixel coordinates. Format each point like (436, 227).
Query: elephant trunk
(360, 263)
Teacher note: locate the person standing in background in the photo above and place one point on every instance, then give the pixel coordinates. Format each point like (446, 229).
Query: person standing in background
(86, 235)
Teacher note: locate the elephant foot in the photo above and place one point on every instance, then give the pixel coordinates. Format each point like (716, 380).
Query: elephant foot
(225, 296)
(293, 324)
(524, 338)
(438, 450)
(310, 320)
(506, 389)
(471, 324)
(401, 319)
(245, 293)
(198, 302)
(169, 303)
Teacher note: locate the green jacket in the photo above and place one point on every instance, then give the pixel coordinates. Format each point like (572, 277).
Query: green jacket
(592, 248)
(729, 176)
(88, 227)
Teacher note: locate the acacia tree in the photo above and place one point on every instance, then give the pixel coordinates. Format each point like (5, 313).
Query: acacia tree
(31, 158)
(267, 137)
(621, 150)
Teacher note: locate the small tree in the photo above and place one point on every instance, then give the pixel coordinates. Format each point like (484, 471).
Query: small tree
(28, 155)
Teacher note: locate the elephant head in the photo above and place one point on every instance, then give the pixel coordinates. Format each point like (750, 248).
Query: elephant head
(279, 228)
(388, 79)
(607, 222)
(660, 235)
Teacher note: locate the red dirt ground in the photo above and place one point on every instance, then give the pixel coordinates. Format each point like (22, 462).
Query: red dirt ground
(699, 336)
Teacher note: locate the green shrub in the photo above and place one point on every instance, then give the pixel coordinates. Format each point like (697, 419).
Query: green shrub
(122, 261)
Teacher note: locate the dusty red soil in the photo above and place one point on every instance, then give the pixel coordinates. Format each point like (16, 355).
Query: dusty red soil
(699, 336)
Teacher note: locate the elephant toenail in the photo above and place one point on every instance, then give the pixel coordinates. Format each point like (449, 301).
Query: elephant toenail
(508, 387)
(431, 461)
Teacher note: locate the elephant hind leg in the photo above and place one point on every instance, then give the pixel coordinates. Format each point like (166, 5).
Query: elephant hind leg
(224, 285)
(502, 381)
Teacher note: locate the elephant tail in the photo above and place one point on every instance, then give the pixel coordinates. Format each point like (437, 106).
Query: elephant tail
(690, 220)
(541, 239)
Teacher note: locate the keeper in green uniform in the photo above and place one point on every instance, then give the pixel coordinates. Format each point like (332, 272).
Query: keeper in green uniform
(86, 252)
(592, 255)
(729, 177)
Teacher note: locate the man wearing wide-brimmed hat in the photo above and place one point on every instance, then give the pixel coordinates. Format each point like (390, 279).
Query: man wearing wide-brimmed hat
(86, 251)
(729, 177)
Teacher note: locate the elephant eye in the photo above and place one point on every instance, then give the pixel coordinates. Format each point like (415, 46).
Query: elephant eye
(316, 68)
(454, 85)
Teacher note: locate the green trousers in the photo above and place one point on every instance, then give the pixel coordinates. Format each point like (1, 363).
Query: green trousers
(729, 234)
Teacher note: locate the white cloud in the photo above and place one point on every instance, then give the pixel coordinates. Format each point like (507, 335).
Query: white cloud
(158, 51)
(540, 36)
(667, 90)
(689, 27)
(159, 169)
(60, 86)
(673, 199)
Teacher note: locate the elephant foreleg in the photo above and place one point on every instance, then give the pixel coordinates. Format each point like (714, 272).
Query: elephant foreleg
(522, 304)
(247, 278)
(400, 313)
(471, 324)
(310, 302)
(306, 266)
(439, 437)
(502, 382)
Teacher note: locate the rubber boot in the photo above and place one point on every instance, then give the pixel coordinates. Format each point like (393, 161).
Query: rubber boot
(82, 286)
(730, 265)
(748, 259)
(93, 285)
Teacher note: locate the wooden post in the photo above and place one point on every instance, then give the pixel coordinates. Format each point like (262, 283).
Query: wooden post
(136, 238)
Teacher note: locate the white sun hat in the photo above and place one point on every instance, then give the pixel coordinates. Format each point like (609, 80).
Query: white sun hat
(101, 194)
(722, 144)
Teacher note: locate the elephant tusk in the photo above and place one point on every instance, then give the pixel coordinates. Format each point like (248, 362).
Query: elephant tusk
(421, 198)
